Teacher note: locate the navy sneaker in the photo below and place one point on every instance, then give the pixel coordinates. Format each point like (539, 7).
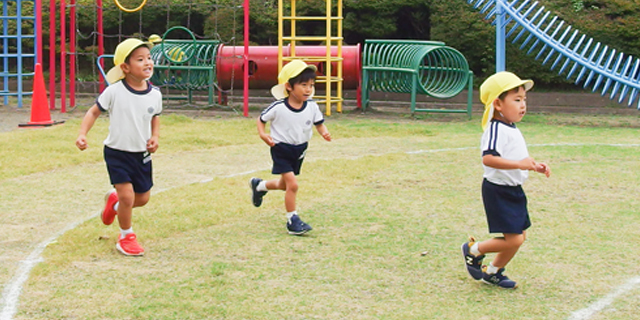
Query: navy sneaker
(498, 279)
(256, 197)
(297, 227)
(472, 262)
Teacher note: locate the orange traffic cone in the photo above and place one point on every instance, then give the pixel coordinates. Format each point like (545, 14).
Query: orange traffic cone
(40, 116)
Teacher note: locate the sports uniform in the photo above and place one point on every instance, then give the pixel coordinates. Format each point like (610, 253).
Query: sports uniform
(125, 148)
(504, 200)
(291, 129)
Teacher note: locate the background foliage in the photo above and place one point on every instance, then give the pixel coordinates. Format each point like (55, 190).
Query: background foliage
(615, 23)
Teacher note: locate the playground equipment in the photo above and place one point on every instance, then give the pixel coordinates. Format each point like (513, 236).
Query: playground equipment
(329, 40)
(264, 66)
(185, 64)
(593, 64)
(15, 59)
(123, 8)
(425, 67)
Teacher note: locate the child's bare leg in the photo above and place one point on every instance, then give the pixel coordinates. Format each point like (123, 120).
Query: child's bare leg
(127, 200)
(290, 192)
(506, 247)
(514, 241)
(276, 184)
(141, 199)
(289, 184)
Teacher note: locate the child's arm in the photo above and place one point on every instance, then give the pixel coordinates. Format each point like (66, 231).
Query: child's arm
(263, 135)
(323, 131)
(152, 144)
(497, 162)
(87, 123)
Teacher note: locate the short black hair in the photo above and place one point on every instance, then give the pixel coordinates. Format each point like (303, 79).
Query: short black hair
(304, 76)
(516, 89)
(126, 60)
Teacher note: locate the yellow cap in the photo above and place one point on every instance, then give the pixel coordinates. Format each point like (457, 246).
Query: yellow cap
(290, 70)
(123, 50)
(494, 86)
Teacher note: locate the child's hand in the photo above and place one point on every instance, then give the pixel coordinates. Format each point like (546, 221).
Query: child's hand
(152, 144)
(267, 139)
(543, 168)
(81, 142)
(527, 164)
(326, 135)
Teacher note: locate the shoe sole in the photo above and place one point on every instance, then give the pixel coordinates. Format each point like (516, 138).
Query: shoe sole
(128, 254)
(466, 266)
(499, 286)
(298, 233)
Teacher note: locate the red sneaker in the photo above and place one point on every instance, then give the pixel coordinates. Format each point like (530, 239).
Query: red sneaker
(109, 214)
(129, 245)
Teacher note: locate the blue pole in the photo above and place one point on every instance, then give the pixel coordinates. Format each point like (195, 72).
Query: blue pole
(5, 51)
(500, 37)
(19, 49)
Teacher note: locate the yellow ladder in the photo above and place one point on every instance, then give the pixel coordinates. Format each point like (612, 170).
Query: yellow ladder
(328, 59)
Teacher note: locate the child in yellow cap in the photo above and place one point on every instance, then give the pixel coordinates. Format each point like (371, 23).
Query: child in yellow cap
(134, 106)
(506, 163)
(292, 118)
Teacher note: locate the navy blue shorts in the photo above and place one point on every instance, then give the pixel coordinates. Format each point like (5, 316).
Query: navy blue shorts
(133, 167)
(287, 157)
(505, 207)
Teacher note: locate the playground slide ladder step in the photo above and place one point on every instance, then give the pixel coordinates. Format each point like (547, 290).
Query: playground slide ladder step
(319, 18)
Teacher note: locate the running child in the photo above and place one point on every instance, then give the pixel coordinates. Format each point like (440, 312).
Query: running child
(506, 163)
(292, 118)
(134, 127)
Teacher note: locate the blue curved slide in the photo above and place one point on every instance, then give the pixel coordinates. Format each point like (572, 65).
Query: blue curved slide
(567, 50)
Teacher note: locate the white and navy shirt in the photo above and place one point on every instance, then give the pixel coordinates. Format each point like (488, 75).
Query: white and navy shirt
(506, 141)
(289, 125)
(130, 114)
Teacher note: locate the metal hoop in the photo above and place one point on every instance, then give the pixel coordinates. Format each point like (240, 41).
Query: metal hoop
(166, 55)
(130, 10)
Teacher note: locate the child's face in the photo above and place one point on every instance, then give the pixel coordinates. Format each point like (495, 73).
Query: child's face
(140, 64)
(301, 91)
(513, 107)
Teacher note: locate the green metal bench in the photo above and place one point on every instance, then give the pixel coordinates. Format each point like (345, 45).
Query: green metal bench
(424, 67)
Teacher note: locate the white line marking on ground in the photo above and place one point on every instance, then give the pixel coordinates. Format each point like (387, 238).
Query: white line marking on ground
(599, 305)
(11, 292)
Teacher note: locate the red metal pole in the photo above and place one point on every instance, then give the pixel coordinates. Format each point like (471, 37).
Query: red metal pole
(39, 31)
(246, 58)
(72, 59)
(63, 56)
(52, 54)
(100, 39)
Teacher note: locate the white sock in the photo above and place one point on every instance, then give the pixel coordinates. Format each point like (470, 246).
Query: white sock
(124, 233)
(291, 214)
(115, 206)
(474, 249)
(262, 186)
(491, 269)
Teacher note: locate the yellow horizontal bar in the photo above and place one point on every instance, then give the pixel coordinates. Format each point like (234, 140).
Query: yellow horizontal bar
(317, 38)
(331, 100)
(313, 58)
(318, 80)
(311, 18)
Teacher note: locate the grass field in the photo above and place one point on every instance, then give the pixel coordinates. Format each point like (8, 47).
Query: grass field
(391, 200)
